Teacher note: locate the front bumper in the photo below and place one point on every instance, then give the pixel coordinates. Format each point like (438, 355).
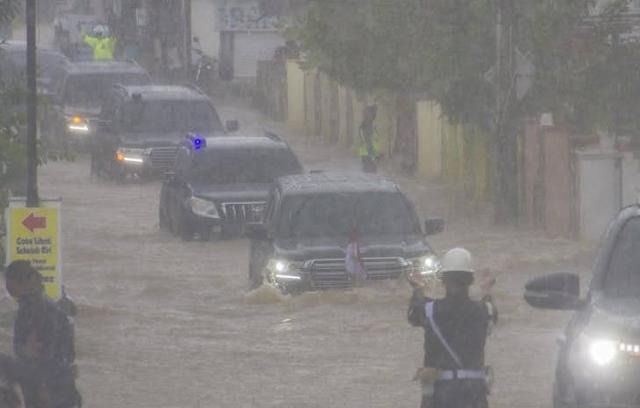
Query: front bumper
(326, 274)
(607, 387)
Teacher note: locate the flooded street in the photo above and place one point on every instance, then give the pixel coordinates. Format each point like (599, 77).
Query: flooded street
(166, 323)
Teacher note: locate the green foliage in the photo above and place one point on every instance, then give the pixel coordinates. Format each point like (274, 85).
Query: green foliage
(8, 10)
(586, 69)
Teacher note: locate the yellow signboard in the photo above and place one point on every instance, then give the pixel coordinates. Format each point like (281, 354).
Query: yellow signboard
(33, 234)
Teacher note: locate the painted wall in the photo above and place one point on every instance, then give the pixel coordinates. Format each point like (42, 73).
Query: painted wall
(320, 108)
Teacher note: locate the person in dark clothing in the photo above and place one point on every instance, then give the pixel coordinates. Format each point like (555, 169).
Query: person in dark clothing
(42, 341)
(455, 332)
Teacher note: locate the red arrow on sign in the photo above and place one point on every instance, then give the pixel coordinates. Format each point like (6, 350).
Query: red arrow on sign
(33, 223)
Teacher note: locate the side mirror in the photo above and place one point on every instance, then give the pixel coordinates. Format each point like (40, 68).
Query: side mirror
(232, 125)
(433, 226)
(257, 232)
(196, 40)
(558, 291)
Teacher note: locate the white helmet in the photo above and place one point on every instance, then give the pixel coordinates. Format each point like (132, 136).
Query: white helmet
(457, 260)
(101, 30)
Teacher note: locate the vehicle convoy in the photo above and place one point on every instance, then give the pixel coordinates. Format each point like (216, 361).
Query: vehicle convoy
(311, 220)
(599, 358)
(140, 128)
(82, 91)
(222, 182)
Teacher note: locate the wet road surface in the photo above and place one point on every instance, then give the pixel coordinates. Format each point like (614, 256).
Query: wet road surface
(164, 323)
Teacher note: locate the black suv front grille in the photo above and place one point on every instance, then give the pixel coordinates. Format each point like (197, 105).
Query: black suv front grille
(243, 212)
(163, 158)
(331, 273)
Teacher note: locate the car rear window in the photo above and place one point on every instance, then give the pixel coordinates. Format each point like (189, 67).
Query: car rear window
(90, 90)
(228, 166)
(623, 275)
(336, 214)
(169, 116)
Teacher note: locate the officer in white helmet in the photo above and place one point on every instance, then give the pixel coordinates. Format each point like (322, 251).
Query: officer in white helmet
(455, 331)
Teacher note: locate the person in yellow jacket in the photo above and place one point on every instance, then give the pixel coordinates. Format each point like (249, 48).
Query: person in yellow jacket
(369, 148)
(103, 45)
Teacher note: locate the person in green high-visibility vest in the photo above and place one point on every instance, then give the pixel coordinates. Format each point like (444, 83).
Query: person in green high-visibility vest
(103, 45)
(369, 148)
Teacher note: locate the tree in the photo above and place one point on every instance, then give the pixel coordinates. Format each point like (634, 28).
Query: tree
(587, 69)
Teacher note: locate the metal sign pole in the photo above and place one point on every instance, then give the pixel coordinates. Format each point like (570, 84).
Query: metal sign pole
(32, 108)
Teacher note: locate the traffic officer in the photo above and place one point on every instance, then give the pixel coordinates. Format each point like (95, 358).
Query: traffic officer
(369, 147)
(42, 340)
(455, 330)
(103, 45)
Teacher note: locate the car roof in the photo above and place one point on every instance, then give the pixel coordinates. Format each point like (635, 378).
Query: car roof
(164, 92)
(245, 142)
(335, 182)
(14, 45)
(90, 67)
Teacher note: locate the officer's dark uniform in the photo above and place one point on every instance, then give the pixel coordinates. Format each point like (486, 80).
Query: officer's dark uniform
(53, 367)
(464, 324)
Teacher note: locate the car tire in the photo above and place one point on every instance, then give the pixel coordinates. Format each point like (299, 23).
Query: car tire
(255, 278)
(184, 228)
(163, 222)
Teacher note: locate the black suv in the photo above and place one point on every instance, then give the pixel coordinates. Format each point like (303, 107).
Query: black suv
(222, 182)
(311, 219)
(82, 90)
(599, 359)
(140, 128)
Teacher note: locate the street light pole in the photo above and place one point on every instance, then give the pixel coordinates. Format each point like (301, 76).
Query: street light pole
(32, 109)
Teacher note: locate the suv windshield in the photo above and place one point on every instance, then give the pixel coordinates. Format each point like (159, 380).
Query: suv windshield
(335, 214)
(169, 116)
(242, 166)
(623, 276)
(90, 90)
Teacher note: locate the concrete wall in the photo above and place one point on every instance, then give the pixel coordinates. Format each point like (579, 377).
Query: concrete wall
(321, 109)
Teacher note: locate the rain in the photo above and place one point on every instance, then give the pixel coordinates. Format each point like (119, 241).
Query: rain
(236, 203)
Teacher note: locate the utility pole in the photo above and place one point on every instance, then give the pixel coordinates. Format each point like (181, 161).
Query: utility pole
(32, 109)
(505, 146)
(188, 35)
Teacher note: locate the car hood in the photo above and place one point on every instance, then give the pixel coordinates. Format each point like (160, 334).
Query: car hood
(615, 318)
(147, 140)
(84, 111)
(303, 249)
(240, 192)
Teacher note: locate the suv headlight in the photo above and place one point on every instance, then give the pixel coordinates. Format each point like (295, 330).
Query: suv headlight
(131, 155)
(282, 270)
(427, 265)
(204, 208)
(597, 351)
(77, 124)
(603, 352)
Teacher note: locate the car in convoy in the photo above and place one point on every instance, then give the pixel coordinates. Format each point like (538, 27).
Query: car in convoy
(598, 362)
(81, 92)
(50, 63)
(311, 220)
(140, 128)
(222, 182)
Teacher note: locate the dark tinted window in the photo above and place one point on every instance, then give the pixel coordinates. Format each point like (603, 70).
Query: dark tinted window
(335, 214)
(90, 90)
(169, 116)
(623, 275)
(228, 166)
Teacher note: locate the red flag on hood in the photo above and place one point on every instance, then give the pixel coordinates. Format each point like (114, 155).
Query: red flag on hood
(353, 261)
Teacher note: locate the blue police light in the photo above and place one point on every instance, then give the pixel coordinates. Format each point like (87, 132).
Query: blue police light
(198, 142)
